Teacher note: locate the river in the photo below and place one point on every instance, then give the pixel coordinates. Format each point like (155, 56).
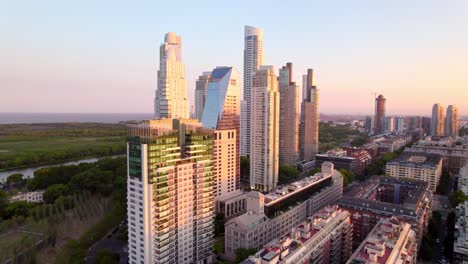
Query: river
(29, 171)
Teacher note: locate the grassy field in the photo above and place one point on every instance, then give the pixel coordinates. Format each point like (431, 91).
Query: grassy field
(31, 144)
(12, 240)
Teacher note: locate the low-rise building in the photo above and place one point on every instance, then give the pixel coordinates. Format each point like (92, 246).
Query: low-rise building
(363, 157)
(463, 179)
(232, 205)
(418, 166)
(31, 197)
(460, 244)
(391, 241)
(272, 215)
(339, 159)
(324, 237)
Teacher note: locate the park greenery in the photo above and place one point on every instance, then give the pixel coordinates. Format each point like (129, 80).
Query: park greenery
(72, 193)
(287, 174)
(348, 176)
(33, 144)
(332, 136)
(457, 197)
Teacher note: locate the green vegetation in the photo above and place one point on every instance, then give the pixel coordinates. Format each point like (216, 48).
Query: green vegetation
(378, 166)
(15, 179)
(359, 140)
(348, 176)
(457, 197)
(32, 144)
(55, 191)
(443, 187)
(287, 174)
(219, 245)
(243, 253)
(333, 136)
(105, 256)
(314, 171)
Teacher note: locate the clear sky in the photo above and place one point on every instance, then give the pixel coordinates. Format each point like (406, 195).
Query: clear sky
(102, 56)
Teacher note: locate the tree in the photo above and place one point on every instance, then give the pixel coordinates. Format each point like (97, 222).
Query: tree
(287, 174)
(348, 176)
(457, 197)
(105, 256)
(55, 191)
(3, 203)
(314, 171)
(244, 253)
(19, 208)
(15, 179)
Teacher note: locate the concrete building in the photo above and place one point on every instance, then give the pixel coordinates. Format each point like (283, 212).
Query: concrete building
(460, 244)
(400, 126)
(253, 59)
(463, 180)
(392, 143)
(222, 113)
(418, 166)
(30, 197)
(379, 114)
(389, 124)
(451, 121)
(232, 205)
(272, 215)
(309, 124)
(289, 117)
(245, 128)
(438, 121)
(385, 197)
(426, 125)
(453, 152)
(264, 129)
(201, 88)
(340, 160)
(390, 242)
(170, 192)
(325, 237)
(171, 99)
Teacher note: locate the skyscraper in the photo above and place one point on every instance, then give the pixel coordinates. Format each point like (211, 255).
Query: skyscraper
(170, 192)
(379, 114)
(451, 121)
(438, 121)
(253, 58)
(171, 99)
(222, 113)
(309, 126)
(289, 117)
(389, 124)
(264, 129)
(201, 88)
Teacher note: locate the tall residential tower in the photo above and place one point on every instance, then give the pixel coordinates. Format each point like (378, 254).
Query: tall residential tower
(253, 58)
(289, 117)
(171, 99)
(222, 113)
(264, 129)
(309, 126)
(451, 121)
(170, 192)
(201, 88)
(438, 121)
(379, 114)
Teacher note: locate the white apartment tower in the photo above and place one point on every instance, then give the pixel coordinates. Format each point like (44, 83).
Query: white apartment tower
(253, 58)
(170, 204)
(201, 88)
(438, 121)
(222, 114)
(289, 117)
(451, 121)
(264, 130)
(171, 99)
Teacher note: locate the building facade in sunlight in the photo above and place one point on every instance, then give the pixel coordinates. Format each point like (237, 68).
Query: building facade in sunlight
(451, 121)
(309, 126)
(170, 192)
(438, 121)
(171, 99)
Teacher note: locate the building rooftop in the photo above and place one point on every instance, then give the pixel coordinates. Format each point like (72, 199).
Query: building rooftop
(388, 241)
(416, 159)
(460, 244)
(463, 179)
(308, 233)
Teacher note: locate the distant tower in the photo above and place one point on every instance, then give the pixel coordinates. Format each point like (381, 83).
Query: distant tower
(309, 125)
(201, 88)
(253, 58)
(451, 121)
(438, 121)
(289, 117)
(379, 114)
(171, 96)
(222, 113)
(264, 128)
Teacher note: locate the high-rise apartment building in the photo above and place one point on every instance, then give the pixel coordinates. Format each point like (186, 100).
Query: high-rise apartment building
(451, 121)
(170, 192)
(289, 117)
(264, 130)
(253, 58)
(389, 124)
(222, 113)
(438, 121)
(171, 99)
(309, 125)
(201, 88)
(379, 114)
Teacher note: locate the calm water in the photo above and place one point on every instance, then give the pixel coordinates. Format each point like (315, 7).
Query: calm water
(21, 118)
(29, 172)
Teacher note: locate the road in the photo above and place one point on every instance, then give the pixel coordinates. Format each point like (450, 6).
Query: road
(111, 243)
